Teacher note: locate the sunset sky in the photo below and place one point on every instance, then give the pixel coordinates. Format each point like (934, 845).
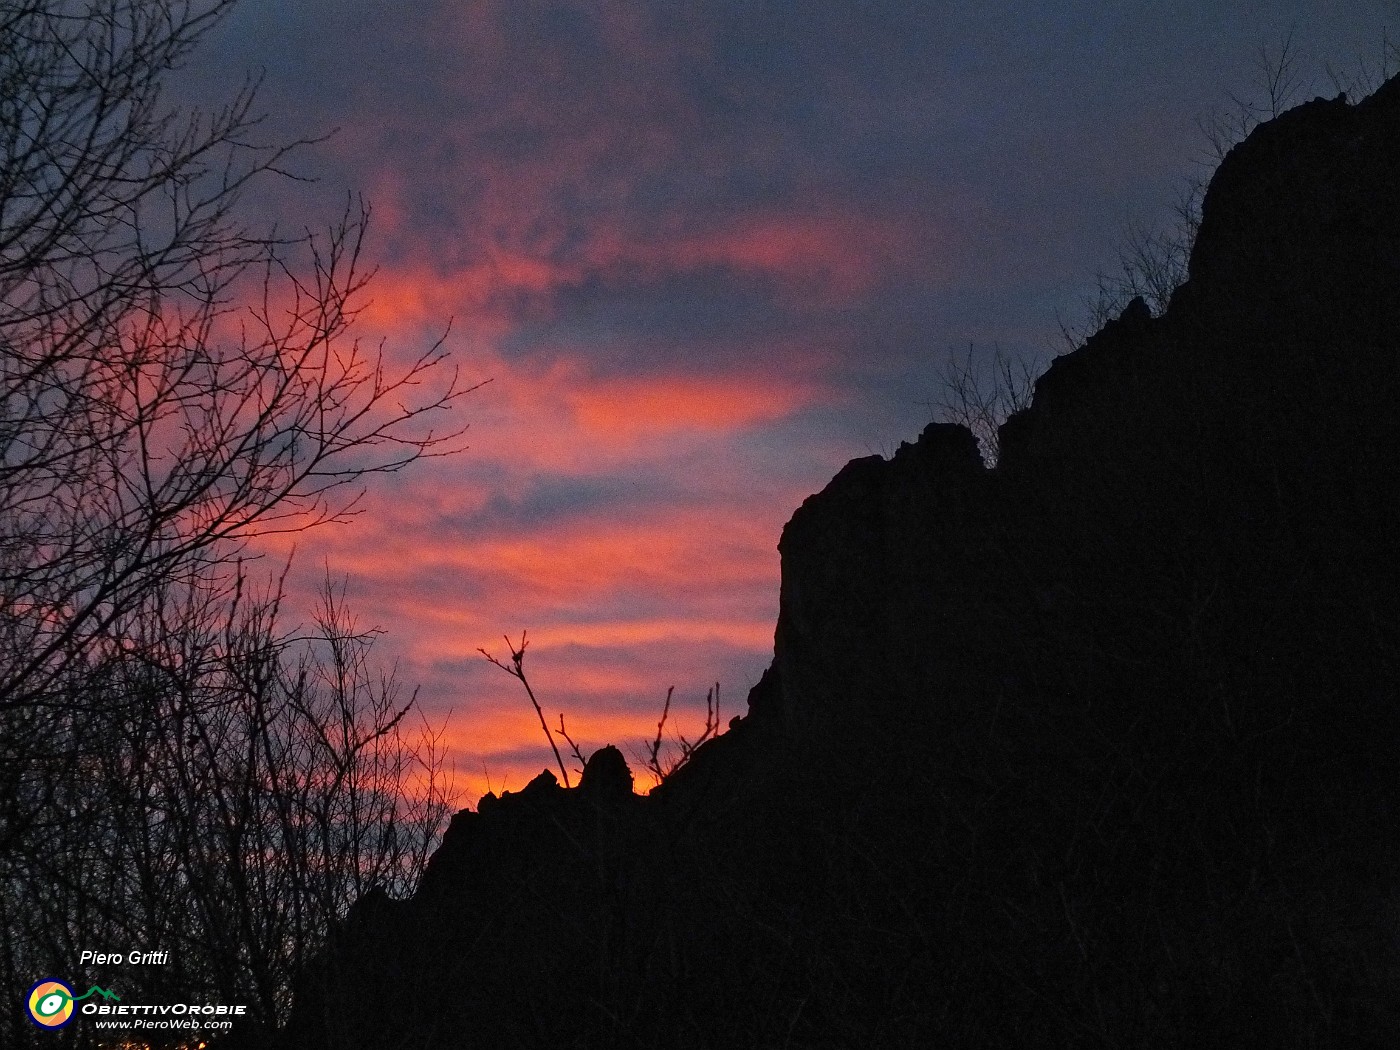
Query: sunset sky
(706, 252)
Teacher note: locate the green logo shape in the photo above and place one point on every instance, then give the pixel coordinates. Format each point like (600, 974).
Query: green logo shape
(58, 998)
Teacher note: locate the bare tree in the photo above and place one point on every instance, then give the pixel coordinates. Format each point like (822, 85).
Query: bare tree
(252, 784)
(171, 382)
(176, 767)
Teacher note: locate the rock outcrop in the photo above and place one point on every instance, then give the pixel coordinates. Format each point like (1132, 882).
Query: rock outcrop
(1095, 748)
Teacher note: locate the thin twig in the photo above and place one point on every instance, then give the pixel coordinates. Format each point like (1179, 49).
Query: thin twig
(582, 762)
(654, 748)
(516, 669)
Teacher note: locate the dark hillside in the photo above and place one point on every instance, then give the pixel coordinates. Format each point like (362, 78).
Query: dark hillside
(1097, 748)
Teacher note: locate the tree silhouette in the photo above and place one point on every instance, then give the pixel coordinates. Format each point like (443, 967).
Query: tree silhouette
(174, 383)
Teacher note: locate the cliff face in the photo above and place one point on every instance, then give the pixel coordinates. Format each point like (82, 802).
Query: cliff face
(1095, 748)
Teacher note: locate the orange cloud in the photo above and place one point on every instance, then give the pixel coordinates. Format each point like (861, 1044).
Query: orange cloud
(655, 404)
(664, 551)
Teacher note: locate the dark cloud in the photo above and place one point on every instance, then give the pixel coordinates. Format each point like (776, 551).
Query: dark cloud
(627, 320)
(546, 500)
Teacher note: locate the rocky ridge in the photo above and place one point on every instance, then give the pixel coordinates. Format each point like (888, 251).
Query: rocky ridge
(1095, 748)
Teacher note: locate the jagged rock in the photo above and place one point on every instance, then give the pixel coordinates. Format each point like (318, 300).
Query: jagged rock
(606, 776)
(542, 786)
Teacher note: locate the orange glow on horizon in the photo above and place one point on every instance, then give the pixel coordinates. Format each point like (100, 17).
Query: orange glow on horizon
(508, 749)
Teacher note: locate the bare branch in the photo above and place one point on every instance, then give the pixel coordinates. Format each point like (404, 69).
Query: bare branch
(980, 391)
(516, 669)
(573, 747)
(651, 755)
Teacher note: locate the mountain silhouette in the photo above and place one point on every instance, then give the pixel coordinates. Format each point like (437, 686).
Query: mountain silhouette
(1093, 748)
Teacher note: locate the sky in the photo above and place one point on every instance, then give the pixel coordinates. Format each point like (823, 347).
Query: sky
(704, 253)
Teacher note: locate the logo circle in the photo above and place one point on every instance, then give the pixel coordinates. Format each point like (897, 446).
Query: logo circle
(50, 1003)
